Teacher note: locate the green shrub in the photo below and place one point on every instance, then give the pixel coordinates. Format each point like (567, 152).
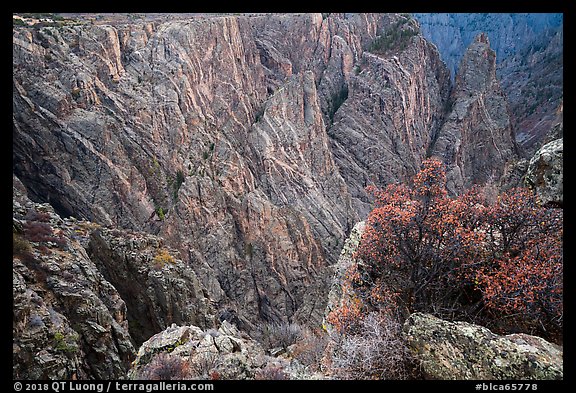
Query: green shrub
(18, 22)
(396, 39)
(75, 92)
(64, 343)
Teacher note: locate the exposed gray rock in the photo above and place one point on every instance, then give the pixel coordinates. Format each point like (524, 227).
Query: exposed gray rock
(159, 288)
(346, 260)
(509, 32)
(529, 50)
(217, 354)
(395, 104)
(476, 141)
(68, 320)
(459, 350)
(240, 144)
(209, 132)
(533, 82)
(545, 173)
(70, 316)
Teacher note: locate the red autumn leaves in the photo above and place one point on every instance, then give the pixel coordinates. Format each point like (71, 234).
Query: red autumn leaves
(462, 257)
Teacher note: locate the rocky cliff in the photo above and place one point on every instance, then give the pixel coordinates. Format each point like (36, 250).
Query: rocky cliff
(69, 321)
(230, 153)
(86, 297)
(533, 82)
(395, 105)
(228, 137)
(509, 33)
(476, 140)
(529, 52)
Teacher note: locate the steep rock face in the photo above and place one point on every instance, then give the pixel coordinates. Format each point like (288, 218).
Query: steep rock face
(68, 320)
(533, 81)
(508, 33)
(395, 104)
(546, 173)
(459, 350)
(159, 289)
(119, 145)
(293, 161)
(84, 294)
(209, 132)
(244, 142)
(476, 141)
(529, 50)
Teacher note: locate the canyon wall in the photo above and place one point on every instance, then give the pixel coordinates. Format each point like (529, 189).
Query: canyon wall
(241, 144)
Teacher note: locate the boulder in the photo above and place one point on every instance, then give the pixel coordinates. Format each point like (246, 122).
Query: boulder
(546, 173)
(210, 353)
(460, 350)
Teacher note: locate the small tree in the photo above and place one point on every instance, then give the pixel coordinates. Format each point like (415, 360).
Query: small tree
(416, 237)
(523, 276)
(462, 257)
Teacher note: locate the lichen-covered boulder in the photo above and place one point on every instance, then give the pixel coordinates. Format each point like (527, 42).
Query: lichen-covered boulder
(222, 353)
(546, 173)
(460, 350)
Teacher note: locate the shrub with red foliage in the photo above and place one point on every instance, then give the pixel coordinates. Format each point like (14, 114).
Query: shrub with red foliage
(463, 257)
(165, 367)
(34, 215)
(416, 237)
(523, 274)
(38, 232)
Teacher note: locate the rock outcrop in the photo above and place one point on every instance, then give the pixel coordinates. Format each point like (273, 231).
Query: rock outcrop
(509, 33)
(158, 287)
(85, 295)
(68, 320)
(476, 141)
(221, 354)
(188, 352)
(395, 104)
(529, 50)
(459, 350)
(345, 262)
(211, 133)
(533, 82)
(225, 157)
(546, 173)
